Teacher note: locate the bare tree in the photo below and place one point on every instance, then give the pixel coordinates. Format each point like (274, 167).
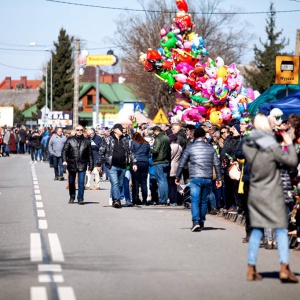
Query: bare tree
(138, 32)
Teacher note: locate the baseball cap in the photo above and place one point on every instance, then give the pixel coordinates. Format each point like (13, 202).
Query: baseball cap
(207, 124)
(118, 126)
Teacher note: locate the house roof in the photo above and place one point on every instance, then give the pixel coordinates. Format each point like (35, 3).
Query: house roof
(28, 112)
(115, 93)
(31, 84)
(18, 98)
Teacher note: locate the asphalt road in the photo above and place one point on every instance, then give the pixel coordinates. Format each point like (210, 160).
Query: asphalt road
(54, 250)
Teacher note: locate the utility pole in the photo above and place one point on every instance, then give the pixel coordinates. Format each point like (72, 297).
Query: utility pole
(76, 84)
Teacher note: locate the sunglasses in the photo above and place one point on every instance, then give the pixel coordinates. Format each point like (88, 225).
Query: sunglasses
(79, 129)
(223, 132)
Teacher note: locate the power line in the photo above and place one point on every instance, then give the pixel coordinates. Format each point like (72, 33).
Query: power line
(20, 68)
(28, 50)
(156, 11)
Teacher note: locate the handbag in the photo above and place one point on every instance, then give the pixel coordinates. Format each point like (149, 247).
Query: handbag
(234, 172)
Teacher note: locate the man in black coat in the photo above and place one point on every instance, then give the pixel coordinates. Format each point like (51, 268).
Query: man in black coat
(77, 156)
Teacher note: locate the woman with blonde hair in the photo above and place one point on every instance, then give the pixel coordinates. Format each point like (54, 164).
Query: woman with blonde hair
(266, 199)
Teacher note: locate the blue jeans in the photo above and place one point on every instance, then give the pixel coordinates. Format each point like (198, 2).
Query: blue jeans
(161, 175)
(58, 167)
(200, 190)
(72, 189)
(38, 152)
(282, 245)
(116, 175)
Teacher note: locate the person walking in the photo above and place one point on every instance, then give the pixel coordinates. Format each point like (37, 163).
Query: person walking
(176, 151)
(266, 198)
(36, 145)
(77, 156)
(96, 142)
(202, 158)
(115, 153)
(141, 149)
(55, 147)
(161, 156)
(23, 136)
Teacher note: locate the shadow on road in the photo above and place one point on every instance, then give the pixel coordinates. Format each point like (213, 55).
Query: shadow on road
(207, 228)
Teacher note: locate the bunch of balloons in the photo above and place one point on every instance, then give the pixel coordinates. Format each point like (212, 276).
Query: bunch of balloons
(207, 90)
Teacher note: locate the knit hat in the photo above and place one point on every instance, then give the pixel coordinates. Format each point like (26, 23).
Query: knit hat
(238, 128)
(199, 132)
(173, 137)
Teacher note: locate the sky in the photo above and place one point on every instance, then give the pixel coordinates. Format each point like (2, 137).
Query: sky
(39, 22)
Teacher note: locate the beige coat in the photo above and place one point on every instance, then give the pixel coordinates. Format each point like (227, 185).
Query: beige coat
(176, 151)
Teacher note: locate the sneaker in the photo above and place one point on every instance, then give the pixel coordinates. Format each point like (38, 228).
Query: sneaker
(117, 204)
(214, 211)
(71, 200)
(95, 188)
(129, 204)
(81, 202)
(233, 210)
(35, 162)
(61, 178)
(269, 246)
(196, 227)
(246, 239)
(56, 178)
(110, 202)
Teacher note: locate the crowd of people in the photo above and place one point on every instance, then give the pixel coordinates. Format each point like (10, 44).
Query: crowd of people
(171, 164)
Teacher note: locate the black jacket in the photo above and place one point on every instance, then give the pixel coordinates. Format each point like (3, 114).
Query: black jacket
(106, 151)
(78, 157)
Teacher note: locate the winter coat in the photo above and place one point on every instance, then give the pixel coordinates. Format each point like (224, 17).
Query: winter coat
(266, 199)
(176, 151)
(161, 151)
(202, 158)
(78, 157)
(23, 135)
(230, 147)
(96, 142)
(36, 141)
(107, 148)
(182, 138)
(142, 152)
(13, 145)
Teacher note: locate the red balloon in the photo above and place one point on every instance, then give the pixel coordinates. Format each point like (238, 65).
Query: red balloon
(182, 5)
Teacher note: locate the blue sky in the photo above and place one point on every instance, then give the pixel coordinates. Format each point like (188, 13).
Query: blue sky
(39, 21)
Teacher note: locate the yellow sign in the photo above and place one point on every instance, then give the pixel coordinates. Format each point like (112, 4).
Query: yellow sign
(287, 70)
(108, 109)
(100, 60)
(160, 118)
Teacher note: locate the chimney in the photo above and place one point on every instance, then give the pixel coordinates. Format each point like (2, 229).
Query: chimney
(8, 83)
(24, 81)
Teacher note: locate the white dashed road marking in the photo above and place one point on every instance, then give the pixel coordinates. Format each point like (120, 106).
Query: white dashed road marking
(55, 247)
(41, 213)
(43, 224)
(66, 293)
(36, 253)
(38, 293)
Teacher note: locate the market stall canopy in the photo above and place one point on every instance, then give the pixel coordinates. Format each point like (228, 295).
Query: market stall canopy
(141, 118)
(272, 94)
(288, 105)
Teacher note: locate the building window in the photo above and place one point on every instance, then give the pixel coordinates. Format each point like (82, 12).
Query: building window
(90, 100)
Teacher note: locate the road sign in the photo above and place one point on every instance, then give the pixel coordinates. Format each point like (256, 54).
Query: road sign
(287, 70)
(101, 60)
(160, 118)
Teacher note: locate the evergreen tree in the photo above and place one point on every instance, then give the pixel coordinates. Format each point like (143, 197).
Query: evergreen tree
(263, 75)
(62, 71)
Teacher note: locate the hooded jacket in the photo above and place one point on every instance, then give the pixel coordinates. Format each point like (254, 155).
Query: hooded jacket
(266, 199)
